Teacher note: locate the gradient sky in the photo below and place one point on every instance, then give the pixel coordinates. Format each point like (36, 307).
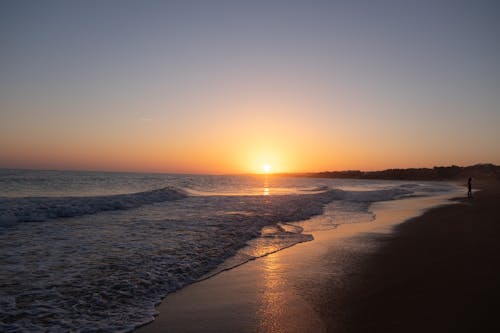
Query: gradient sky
(227, 86)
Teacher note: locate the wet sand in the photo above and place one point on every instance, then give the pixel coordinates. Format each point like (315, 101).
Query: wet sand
(318, 286)
(436, 273)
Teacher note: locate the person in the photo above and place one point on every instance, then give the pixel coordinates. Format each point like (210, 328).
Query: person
(469, 185)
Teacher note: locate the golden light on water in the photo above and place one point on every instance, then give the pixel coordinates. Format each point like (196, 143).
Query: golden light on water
(274, 298)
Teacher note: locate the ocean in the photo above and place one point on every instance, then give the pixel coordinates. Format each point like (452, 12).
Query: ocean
(96, 251)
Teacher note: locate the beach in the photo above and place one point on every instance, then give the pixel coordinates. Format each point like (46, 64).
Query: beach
(249, 166)
(103, 249)
(308, 255)
(423, 274)
(436, 273)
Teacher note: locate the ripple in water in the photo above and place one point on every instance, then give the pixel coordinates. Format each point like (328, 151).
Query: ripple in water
(106, 272)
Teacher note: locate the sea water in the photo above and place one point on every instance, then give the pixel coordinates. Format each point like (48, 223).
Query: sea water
(93, 251)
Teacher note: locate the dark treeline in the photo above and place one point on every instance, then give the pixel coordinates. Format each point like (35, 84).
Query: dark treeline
(478, 171)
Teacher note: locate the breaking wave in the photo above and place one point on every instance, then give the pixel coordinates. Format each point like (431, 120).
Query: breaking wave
(35, 209)
(106, 271)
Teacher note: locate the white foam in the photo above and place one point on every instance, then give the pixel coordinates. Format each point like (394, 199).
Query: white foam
(106, 271)
(35, 209)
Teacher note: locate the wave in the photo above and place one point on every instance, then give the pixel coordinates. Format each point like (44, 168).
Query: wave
(316, 189)
(287, 215)
(37, 209)
(377, 195)
(156, 252)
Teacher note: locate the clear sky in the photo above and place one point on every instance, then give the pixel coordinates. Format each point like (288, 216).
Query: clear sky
(229, 86)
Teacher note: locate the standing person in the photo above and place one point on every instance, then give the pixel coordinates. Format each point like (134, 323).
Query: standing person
(469, 185)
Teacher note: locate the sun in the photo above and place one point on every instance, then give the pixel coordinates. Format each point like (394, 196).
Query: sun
(266, 167)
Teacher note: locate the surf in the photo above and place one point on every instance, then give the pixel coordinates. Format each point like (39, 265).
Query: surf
(39, 209)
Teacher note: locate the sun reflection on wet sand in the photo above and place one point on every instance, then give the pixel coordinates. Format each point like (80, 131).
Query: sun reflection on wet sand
(281, 308)
(273, 300)
(280, 292)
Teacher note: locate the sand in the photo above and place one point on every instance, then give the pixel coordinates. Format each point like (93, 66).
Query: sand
(436, 272)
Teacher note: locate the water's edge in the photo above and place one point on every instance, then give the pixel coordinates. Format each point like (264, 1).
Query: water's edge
(435, 202)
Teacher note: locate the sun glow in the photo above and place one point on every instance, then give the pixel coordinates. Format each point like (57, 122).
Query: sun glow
(267, 168)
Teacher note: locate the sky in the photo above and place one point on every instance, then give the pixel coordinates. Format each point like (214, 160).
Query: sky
(230, 86)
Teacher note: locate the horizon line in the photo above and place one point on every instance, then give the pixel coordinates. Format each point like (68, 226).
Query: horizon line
(240, 173)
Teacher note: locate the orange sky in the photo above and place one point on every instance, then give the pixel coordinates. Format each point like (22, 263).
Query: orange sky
(190, 88)
(240, 135)
(227, 142)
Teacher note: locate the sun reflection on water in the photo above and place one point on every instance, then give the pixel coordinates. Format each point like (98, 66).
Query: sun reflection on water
(266, 185)
(271, 311)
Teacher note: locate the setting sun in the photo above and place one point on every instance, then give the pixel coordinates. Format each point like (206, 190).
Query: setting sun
(266, 168)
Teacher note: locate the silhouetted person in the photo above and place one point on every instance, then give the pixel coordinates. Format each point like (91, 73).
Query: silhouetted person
(469, 185)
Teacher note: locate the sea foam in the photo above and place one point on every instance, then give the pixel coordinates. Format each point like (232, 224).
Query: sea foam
(107, 267)
(35, 209)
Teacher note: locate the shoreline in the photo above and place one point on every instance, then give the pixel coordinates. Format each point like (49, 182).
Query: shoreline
(436, 273)
(282, 291)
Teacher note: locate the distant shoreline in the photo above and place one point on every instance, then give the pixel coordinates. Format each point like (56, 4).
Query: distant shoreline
(478, 171)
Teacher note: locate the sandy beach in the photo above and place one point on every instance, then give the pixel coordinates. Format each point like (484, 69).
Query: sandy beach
(434, 272)
(249, 166)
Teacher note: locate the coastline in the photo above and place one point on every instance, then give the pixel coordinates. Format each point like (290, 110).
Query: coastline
(436, 273)
(290, 290)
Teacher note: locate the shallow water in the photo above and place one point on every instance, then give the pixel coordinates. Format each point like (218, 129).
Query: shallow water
(107, 259)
